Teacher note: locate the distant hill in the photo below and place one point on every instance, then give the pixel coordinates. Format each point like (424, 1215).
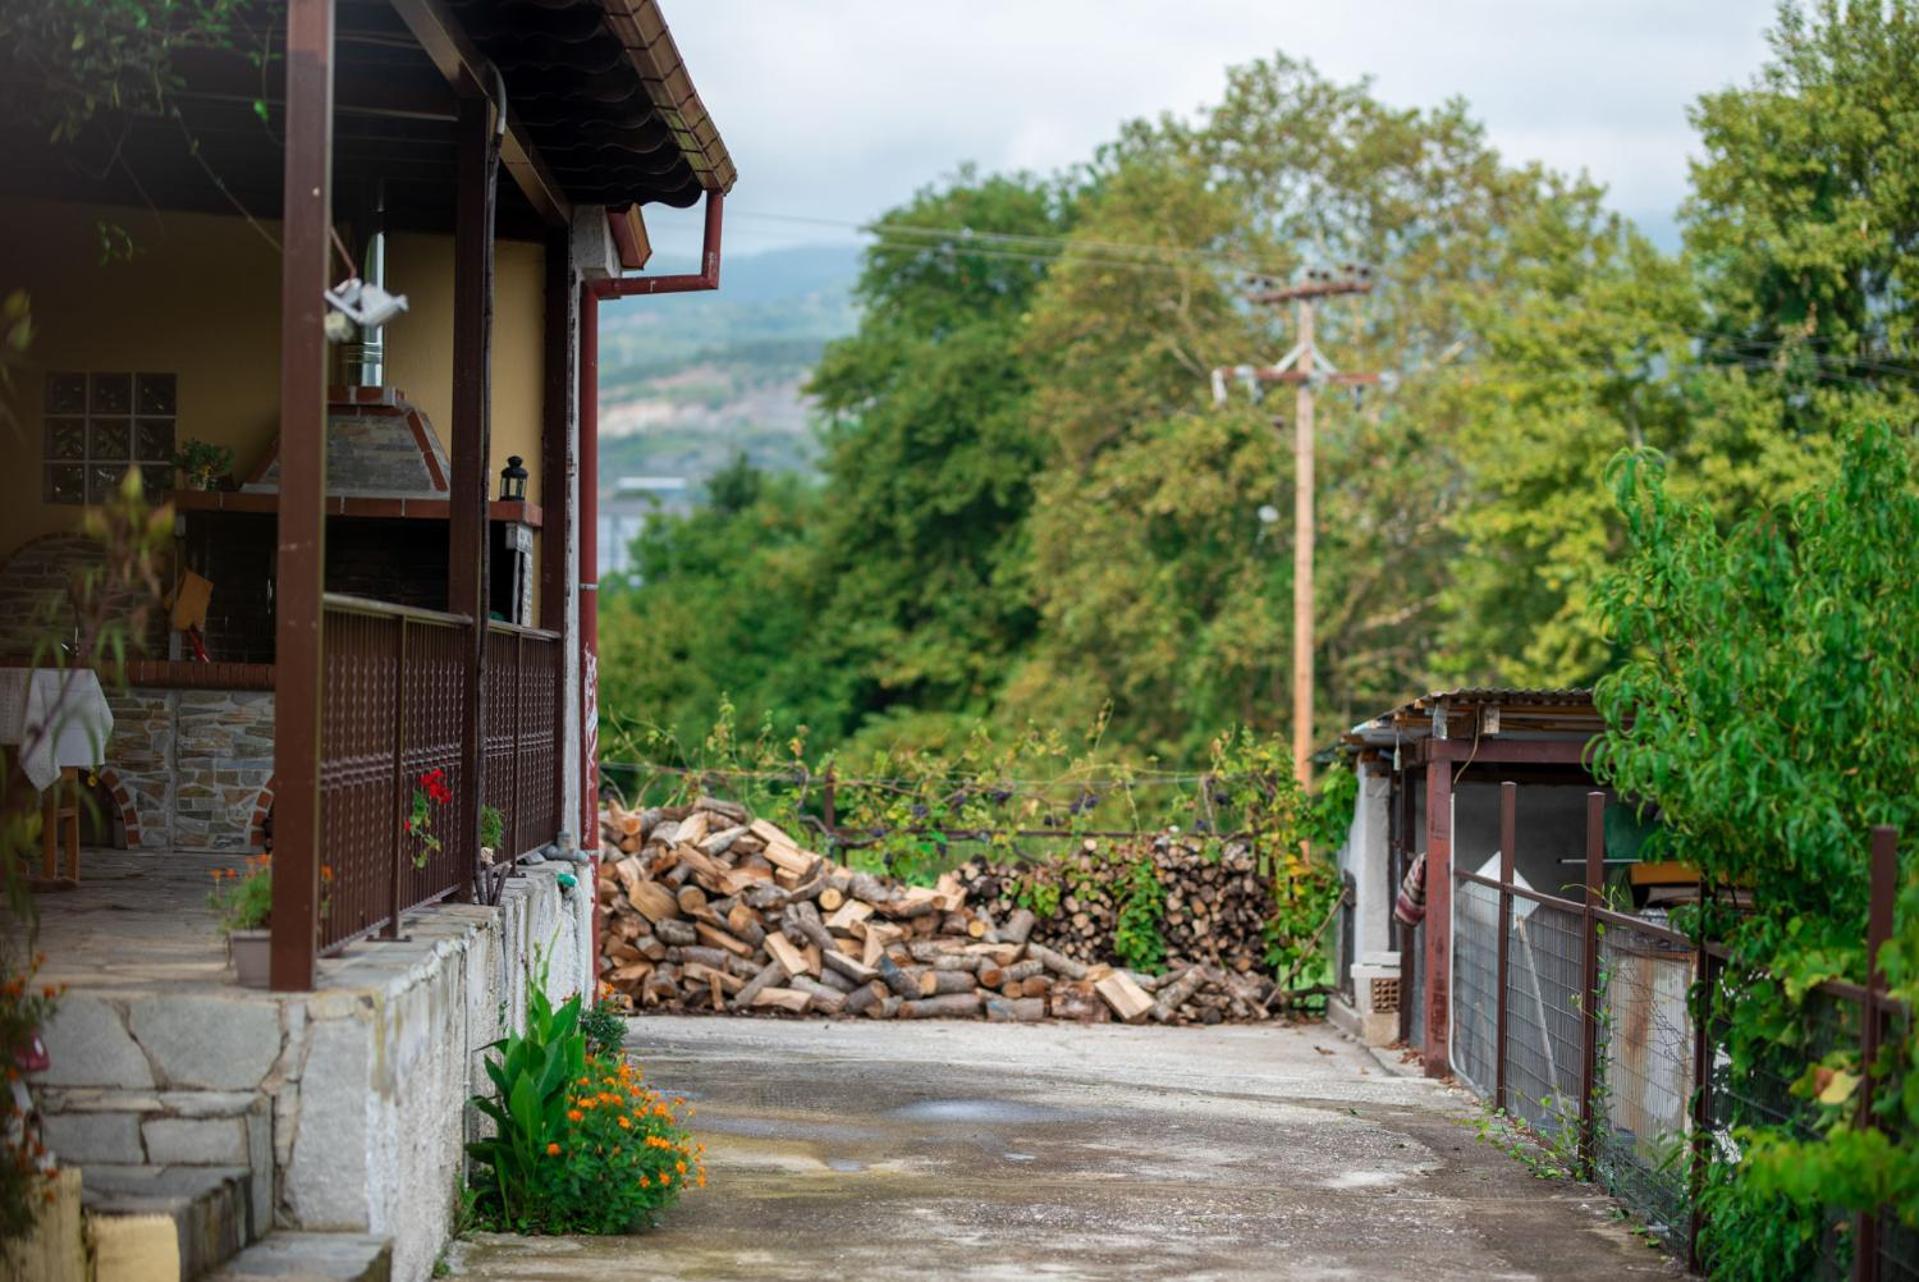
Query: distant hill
(687, 381)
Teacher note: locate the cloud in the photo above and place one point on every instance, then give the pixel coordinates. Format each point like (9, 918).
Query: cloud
(839, 110)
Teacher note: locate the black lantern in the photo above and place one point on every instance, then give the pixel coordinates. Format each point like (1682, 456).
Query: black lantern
(513, 480)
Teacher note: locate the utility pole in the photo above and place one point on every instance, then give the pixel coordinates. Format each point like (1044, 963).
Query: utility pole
(1302, 367)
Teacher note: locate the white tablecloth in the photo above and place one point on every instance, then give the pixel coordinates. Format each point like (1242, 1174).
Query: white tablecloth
(75, 705)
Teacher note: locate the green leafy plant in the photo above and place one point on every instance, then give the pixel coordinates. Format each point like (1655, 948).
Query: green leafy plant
(1765, 708)
(1142, 905)
(603, 1024)
(580, 1144)
(429, 790)
(492, 828)
(203, 463)
(243, 900)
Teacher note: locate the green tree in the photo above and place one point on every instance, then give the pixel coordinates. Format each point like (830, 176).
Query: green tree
(931, 449)
(1764, 714)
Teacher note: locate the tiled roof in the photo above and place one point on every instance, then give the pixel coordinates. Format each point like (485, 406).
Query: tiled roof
(606, 96)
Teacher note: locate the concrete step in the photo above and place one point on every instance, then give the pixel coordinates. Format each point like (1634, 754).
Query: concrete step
(90, 1128)
(311, 1257)
(207, 1212)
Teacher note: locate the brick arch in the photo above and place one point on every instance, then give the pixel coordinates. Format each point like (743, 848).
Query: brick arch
(262, 811)
(122, 798)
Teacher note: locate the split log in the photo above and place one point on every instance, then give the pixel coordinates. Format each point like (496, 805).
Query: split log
(789, 999)
(769, 975)
(949, 1006)
(1025, 1010)
(1128, 1000)
(1056, 963)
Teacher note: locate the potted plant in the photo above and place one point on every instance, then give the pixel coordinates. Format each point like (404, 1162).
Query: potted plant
(201, 463)
(492, 833)
(243, 904)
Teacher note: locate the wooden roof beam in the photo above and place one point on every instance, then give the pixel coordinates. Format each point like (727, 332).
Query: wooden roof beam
(473, 76)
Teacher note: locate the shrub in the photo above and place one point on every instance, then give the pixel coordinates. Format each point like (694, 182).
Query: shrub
(604, 1025)
(581, 1145)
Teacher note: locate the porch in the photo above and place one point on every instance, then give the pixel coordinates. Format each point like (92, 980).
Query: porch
(204, 1115)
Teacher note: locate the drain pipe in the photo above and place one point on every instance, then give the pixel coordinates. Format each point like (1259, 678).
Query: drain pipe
(591, 292)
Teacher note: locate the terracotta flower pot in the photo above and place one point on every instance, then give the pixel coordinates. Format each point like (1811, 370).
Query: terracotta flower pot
(250, 950)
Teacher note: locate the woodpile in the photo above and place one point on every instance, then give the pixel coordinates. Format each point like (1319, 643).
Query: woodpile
(1216, 905)
(705, 908)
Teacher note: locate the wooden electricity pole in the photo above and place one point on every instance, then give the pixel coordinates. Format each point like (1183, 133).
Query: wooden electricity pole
(1302, 367)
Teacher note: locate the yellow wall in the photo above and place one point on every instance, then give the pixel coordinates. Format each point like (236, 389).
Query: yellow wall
(201, 299)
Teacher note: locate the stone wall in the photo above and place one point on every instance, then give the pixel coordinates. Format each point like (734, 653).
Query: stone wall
(188, 767)
(362, 1085)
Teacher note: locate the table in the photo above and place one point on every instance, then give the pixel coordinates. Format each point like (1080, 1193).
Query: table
(56, 719)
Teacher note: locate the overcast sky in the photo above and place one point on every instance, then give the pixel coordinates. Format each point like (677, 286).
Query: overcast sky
(839, 109)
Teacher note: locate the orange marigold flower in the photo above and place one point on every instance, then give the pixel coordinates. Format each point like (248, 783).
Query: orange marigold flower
(702, 1180)
(666, 1177)
(586, 1081)
(626, 1123)
(553, 1149)
(646, 1181)
(575, 1115)
(680, 1167)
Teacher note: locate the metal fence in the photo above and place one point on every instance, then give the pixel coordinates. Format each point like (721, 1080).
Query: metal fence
(1582, 1023)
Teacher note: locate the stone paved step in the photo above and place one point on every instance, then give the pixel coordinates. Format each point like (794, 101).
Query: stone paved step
(311, 1257)
(211, 1207)
(89, 1127)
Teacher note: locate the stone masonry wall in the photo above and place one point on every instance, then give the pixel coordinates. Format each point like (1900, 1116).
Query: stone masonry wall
(350, 1102)
(189, 766)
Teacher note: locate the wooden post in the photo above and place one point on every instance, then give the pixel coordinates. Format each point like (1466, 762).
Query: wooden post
(1439, 908)
(402, 790)
(1303, 538)
(300, 575)
(1589, 1025)
(557, 464)
(1408, 935)
(471, 481)
(1508, 846)
(1884, 890)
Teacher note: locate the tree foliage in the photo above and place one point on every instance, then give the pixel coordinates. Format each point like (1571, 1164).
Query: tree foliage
(1032, 511)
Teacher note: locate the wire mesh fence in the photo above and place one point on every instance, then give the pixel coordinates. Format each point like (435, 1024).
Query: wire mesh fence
(1612, 1085)
(1475, 988)
(1645, 1075)
(1545, 1038)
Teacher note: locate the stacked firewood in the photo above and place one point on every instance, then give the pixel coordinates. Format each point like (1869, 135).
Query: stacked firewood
(703, 907)
(1216, 903)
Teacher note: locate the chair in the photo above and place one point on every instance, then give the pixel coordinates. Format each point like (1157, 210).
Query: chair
(61, 806)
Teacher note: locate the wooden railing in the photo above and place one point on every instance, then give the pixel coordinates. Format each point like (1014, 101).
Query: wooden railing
(524, 671)
(390, 714)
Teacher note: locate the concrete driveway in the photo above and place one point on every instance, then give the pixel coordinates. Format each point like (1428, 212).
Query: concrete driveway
(936, 1151)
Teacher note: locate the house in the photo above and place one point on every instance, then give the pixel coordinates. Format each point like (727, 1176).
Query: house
(401, 570)
(1430, 773)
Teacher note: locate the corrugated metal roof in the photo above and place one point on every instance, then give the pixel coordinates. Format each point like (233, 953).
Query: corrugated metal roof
(1554, 702)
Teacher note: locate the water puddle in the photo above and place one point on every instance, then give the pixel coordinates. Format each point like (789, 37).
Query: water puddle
(977, 1110)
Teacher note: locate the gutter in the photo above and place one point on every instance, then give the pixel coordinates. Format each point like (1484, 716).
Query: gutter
(591, 292)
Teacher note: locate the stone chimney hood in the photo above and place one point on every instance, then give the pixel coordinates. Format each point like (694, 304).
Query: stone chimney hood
(379, 445)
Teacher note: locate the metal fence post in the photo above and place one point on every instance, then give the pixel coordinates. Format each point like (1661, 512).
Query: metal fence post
(1705, 965)
(1589, 1026)
(1508, 843)
(396, 874)
(1884, 886)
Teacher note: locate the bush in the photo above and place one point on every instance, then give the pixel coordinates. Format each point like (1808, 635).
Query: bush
(581, 1144)
(604, 1025)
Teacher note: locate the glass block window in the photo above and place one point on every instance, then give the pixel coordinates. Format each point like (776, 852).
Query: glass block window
(98, 426)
